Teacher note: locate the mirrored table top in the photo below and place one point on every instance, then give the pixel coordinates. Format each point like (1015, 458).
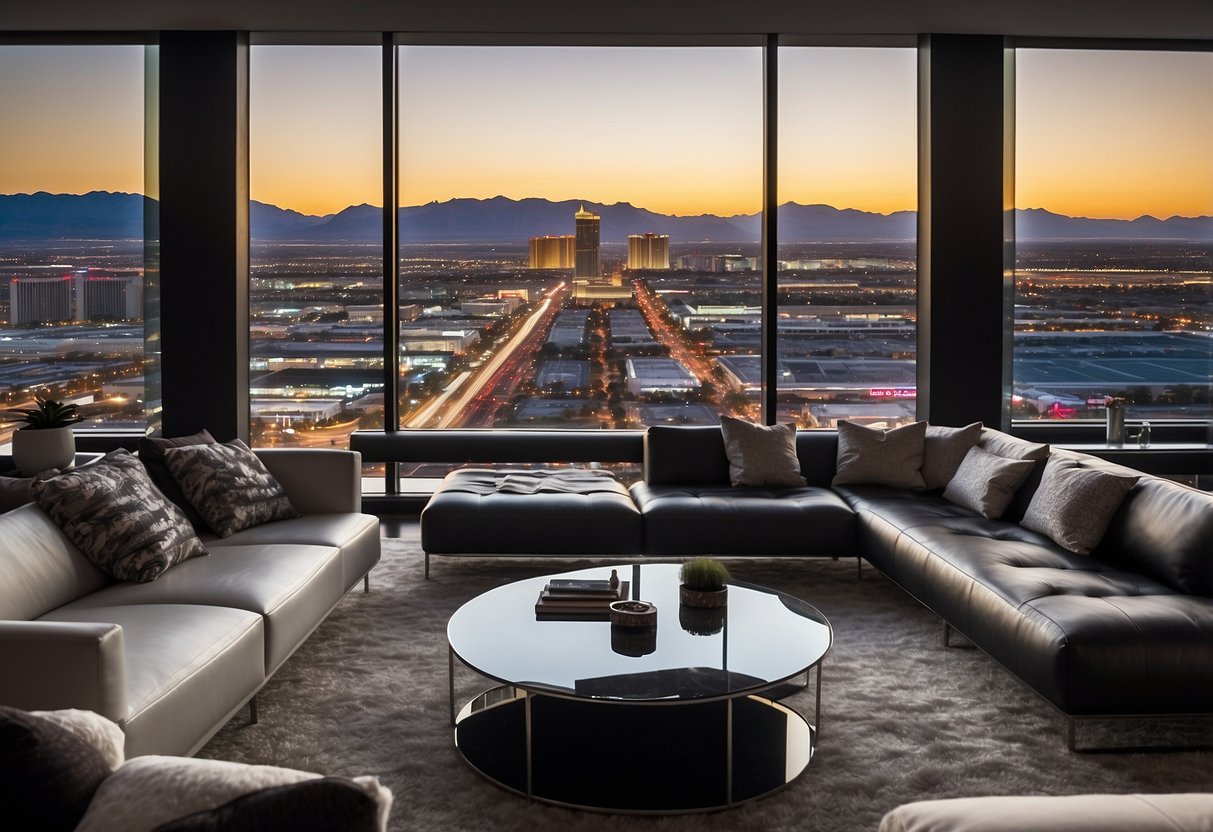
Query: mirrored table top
(762, 637)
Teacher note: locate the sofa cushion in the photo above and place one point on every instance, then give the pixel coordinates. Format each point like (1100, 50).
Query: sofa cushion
(150, 791)
(467, 514)
(868, 456)
(761, 456)
(943, 450)
(1163, 529)
(356, 535)
(49, 773)
(293, 587)
(151, 454)
(685, 456)
(118, 519)
(986, 483)
(722, 520)
(42, 569)
(188, 668)
(1073, 505)
(228, 485)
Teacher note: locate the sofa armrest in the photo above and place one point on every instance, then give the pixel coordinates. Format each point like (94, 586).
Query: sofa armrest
(63, 664)
(317, 480)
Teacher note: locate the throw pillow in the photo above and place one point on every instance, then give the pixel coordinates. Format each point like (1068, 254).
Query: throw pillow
(50, 774)
(986, 483)
(228, 485)
(151, 454)
(870, 456)
(146, 792)
(943, 450)
(118, 519)
(100, 733)
(17, 491)
(1074, 505)
(761, 455)
(320, 805)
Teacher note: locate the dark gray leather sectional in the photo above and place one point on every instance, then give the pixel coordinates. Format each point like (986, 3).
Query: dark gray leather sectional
(1125, 631)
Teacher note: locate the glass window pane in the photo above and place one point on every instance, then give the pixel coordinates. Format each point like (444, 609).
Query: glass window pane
(72, 259)
(848, 168)
(571, 218)
(1114, 243)
(316, 287)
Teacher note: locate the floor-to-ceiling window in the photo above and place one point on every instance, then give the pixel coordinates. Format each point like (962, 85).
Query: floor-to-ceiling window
(316, 260)
(77, 191)
(1114, 234)
(579, 235)
(848, 140)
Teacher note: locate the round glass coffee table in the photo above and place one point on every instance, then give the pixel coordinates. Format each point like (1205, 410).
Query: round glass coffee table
(680, 718)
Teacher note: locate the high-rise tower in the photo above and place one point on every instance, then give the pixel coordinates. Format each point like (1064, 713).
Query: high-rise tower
(589, 261)
(649, 251)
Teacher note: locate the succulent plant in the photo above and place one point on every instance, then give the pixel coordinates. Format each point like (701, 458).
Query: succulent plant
(704, 575)
(48, 414)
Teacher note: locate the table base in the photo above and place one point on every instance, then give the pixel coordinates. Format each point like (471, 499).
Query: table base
(665, 757)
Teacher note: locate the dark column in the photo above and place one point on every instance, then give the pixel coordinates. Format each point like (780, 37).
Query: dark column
(204, 232)
(964, 301)
(770, 229)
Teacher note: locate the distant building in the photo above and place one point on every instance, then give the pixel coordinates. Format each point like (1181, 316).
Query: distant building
(40, 300)
(84, 295)
(588, 257)
(553, 252)
(105, 297)
(649, 251)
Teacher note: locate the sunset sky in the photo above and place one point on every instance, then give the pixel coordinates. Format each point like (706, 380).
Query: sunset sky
(676, 130)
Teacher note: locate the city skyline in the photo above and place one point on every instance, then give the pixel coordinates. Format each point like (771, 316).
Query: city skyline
(1099, 133)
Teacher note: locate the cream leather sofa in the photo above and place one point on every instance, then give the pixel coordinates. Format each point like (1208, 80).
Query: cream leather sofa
(1072, 813)
(172, 660)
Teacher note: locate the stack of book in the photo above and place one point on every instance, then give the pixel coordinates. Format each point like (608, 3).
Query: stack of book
(579, 600)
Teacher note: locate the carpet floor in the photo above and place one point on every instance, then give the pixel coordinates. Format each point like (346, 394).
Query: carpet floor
(903, 718)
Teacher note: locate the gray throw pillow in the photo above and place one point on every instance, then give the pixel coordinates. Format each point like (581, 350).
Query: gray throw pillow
(943, 451)
(1074, 505)
(761, 455)
(986, 483)
(229, 486)
(870, 456)
(118, 519)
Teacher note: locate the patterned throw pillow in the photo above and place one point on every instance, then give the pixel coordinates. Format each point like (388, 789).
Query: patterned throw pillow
(151, 454)
(761, 455)
(118, 519)
(50, 775)
(870, 456)
(943, 451)
(228, 485)
(1074, 505)
(986, 483)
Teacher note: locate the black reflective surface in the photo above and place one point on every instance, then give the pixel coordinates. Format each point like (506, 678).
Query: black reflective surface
(762, 637)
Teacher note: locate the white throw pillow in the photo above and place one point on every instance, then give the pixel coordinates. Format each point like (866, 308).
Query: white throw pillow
(761, 455)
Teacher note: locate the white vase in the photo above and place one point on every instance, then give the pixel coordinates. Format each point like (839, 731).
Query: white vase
(37, 450)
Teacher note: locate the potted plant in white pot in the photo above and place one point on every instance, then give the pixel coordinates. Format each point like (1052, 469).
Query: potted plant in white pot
(46, 440)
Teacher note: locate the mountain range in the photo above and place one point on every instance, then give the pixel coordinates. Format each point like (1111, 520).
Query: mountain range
(104, 215)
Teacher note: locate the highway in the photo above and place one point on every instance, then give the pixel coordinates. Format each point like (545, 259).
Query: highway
(452, 408)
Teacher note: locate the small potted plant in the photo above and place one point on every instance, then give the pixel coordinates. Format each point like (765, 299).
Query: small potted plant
(46, 440)
(704, 583)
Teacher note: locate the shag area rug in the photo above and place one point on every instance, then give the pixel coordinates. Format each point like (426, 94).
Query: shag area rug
(903, 717)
